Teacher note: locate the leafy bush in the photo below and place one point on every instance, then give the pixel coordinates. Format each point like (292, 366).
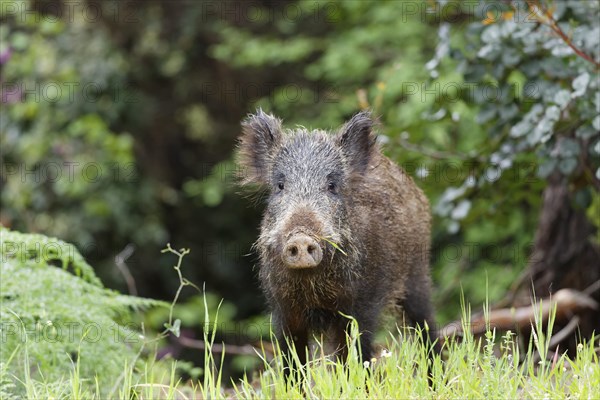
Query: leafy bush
(534, 66)
(67, 170)
(56, 314)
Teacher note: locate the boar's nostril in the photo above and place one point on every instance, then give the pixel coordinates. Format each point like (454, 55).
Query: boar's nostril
(302, 251)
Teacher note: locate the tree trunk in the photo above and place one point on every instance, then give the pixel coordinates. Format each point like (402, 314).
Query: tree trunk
(564, 256)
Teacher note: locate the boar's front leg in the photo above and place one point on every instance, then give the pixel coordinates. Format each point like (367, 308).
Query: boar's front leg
(343, 329)
(367, 324)
(291, 332)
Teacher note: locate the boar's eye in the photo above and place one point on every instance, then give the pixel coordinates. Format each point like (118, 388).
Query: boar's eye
(279, 181)
(332, 187)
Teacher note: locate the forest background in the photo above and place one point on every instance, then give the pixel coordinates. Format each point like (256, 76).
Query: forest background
(119, 122)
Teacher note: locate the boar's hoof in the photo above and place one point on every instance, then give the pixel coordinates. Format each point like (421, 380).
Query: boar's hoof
(302, 251)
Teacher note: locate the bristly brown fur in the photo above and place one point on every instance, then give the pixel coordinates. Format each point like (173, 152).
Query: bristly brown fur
(261, 134)
(355, 135)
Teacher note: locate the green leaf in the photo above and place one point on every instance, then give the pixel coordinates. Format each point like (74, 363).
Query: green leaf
(461, 210)
(580, 84)
(547, 167)
(541, 133)
(583, 198)
(520, 129)
(453, 227)
(491, 34)
(585, 132)
(19, 41)
(486, 115)
(569, 148)
(489, 52)
(562, 98)
(213, 195)
(596, 123)
(567, 165)
(335, 245)
(511, 57)
(175, 328)
(553, 113)
(508, 112)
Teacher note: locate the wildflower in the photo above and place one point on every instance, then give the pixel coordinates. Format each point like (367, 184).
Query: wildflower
(5, 55)
(386, 353)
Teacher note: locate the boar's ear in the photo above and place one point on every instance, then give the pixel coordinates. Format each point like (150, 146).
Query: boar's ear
(261, 134)
(357, 140)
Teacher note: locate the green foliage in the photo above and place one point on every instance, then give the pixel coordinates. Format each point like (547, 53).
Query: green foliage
(63, 89)
(537, 102)
(53, 320)
(537, 95)
(95, 152)
(248, 51)
(211, 190)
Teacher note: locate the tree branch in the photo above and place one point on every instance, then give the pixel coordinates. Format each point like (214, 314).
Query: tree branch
(122, 266)
(247, 349)
(547, 19)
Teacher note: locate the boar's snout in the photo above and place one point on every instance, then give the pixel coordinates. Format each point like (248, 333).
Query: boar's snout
(302, 251)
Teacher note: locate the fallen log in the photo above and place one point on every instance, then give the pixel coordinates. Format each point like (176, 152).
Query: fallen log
(567, 303)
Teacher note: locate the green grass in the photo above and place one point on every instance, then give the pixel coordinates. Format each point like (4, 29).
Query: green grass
(474, 368)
